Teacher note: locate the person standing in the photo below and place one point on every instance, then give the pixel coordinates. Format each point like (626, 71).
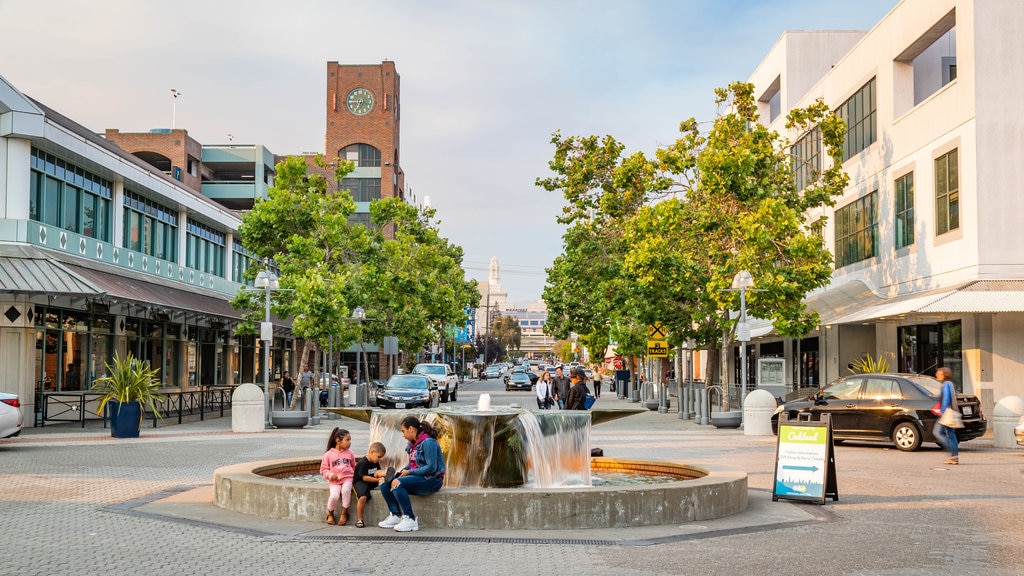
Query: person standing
(560, 387)
(288, 385)
(544, 398)
(597, 382)
(423, 475)
(947, 435)
(304, 385)
(577, 397)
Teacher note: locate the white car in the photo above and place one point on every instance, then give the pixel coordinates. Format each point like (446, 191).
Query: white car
(443, 377)
(10, 415)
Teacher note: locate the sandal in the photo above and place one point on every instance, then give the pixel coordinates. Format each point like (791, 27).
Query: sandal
(330, 517)
(344, 517)
(359, 524)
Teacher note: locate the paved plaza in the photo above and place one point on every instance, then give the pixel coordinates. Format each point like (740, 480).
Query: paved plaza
(75, 501)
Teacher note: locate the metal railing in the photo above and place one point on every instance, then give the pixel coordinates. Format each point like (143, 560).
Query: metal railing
(210, 401)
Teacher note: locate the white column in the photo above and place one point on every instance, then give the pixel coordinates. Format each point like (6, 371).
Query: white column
(15, 179)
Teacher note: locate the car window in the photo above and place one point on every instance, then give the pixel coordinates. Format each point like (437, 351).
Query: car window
(428, 370)
(407, 383)
(931, 386)
(843, 390)
(881, 389)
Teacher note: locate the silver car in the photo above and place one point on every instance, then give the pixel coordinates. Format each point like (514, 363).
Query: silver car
(10, 415)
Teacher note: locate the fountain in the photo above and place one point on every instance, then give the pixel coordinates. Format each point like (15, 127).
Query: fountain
(507, 468)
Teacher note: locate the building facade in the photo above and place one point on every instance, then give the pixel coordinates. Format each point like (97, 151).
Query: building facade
(929, 261)
(103, 253)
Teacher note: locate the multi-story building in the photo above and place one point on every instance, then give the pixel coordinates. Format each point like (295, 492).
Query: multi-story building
(929, 258)
(101, 252)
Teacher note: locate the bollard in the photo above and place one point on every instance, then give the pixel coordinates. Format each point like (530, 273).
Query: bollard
(247, 409)
(332, 399)
(1005, 417)
(702, 403)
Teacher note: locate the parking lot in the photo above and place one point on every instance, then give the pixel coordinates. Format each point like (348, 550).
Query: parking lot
(77, 501)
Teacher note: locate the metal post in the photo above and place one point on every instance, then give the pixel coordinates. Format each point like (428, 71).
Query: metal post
(743, 349)
(266, 357)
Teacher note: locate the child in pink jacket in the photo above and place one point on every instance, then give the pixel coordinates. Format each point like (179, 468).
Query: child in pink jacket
(338, 468)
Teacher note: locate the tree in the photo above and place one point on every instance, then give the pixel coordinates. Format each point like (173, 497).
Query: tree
(507, 332)
(406, 277)
(658, 239)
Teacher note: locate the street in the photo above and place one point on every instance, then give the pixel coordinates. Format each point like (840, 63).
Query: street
(76, 501)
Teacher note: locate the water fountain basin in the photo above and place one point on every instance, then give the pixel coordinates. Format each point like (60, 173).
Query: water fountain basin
(700, 493)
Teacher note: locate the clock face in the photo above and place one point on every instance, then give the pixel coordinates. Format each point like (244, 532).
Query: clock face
(359, 101)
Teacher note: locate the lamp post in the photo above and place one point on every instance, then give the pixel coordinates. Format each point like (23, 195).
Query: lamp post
(359, 315)
(267, 281)
(174, 106)
(743, 281)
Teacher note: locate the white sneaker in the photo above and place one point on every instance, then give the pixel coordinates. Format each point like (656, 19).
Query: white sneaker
(407, 525)
(390, 522)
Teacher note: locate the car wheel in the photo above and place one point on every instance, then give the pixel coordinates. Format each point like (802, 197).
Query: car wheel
(444, 395)
(906, 436)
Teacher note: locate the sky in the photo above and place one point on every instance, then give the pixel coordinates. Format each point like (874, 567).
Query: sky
(484, 84)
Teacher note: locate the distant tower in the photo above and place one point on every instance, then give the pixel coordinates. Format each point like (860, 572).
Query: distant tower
(494, 279)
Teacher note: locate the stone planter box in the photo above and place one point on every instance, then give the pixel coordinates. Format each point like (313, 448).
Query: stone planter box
(289, 418)
(727, 419)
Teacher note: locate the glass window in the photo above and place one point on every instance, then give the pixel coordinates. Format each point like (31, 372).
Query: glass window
(857, 231)
(859, 114)
(843, 390)
(364, 155)
(947, 193)
(51, 202)
(905, 210)
(880, 389)
(362, 189)
(807, 158)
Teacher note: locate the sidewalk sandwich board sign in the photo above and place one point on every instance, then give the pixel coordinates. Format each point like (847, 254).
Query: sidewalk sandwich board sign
(805, 463)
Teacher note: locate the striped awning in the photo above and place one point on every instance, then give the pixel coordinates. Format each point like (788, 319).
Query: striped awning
(981, 297)
(24, 270)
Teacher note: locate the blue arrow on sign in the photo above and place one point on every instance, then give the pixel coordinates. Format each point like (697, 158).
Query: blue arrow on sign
(804, 468)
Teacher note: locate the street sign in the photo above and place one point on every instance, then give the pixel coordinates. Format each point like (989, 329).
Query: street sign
(743, 331)
(656, 332)
(657, 348)
(391, 344)
(805, 462)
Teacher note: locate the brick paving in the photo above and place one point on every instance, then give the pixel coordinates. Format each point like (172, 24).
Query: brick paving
(76, 501)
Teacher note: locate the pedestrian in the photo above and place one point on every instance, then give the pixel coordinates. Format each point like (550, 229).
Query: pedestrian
(305, 381)
(560, 387)
(597, 382)
(544, 398)
(288, 385)
(338, 467)
(576, 399)
(423, 475)
(368, 475)
(945, 434)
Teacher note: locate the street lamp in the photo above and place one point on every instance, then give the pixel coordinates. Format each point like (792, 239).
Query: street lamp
(359, 315)
(267, 281)
(174, 106)
(742, 282)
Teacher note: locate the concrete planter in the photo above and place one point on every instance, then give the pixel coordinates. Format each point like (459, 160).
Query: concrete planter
(727, 419)
(289, 418)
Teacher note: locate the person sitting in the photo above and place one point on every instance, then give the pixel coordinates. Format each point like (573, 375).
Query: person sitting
(423, 475)
(368, 476)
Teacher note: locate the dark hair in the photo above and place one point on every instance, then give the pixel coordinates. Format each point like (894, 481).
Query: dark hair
(336, 434)
(378, 448)
(421, 425)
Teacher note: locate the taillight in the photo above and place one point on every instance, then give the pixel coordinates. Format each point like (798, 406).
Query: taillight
(11, 401)
(937, 409)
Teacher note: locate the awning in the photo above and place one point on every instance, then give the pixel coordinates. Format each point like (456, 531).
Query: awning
(26, 270)
(128, 289)
(983, 296)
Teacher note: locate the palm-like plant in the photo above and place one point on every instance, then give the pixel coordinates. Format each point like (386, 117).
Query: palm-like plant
(129, 379)
(869, 365)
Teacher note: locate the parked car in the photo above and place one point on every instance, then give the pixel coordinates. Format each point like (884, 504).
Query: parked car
(518, 381)
(533, 376)
(442, 375)
(897, 408)
(408, 391)
(11, 416)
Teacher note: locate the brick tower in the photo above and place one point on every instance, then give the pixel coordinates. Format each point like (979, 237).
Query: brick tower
(363, 118)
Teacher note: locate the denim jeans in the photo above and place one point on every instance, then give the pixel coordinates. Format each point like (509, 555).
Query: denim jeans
(947, 437)
(398, 498)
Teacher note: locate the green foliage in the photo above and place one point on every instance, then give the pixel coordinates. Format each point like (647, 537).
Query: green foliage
(869, 365)
(407, 278)
(507, 332)
(660, 239)
(129, 379)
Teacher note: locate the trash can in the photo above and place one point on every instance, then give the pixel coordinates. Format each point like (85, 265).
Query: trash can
(247, 409)
(758, 408)
(1005, 417)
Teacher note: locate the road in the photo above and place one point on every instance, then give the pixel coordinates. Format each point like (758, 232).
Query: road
(78, 502)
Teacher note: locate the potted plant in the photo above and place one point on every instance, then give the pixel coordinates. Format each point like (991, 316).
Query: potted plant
(129, 389)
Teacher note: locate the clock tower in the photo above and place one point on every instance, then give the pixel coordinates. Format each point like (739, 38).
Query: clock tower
(363, 119)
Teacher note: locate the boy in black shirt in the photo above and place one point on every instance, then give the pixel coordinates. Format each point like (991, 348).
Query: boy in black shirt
(368, 476)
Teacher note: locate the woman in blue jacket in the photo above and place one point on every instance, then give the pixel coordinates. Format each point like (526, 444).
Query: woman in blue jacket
(422, 476)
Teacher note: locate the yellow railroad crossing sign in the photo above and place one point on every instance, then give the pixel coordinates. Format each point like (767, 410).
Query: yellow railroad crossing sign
(657, 348)
(656, 332)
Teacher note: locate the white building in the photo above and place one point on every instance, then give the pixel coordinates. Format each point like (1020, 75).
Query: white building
(927, 237)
